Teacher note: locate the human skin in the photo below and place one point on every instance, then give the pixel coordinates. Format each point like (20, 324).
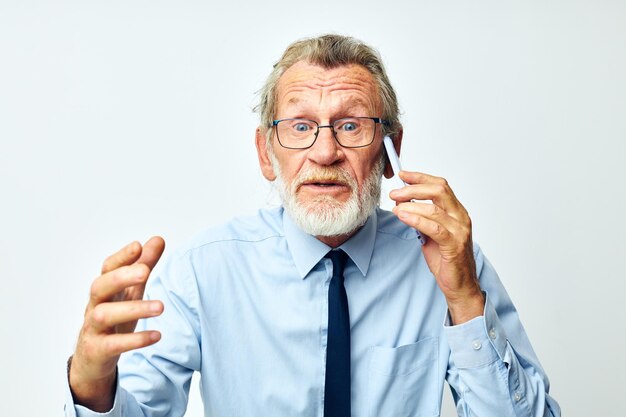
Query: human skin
(115, 305)
(325, 95)
(449, 251)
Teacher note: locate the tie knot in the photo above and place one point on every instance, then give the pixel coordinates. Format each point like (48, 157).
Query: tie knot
(339, 258)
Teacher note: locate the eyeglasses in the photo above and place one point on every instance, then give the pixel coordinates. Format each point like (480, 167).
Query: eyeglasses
(349, 132)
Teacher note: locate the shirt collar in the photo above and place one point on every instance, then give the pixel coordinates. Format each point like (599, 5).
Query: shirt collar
(307, 251)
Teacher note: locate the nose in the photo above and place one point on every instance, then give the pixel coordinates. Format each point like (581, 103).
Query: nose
(325, 150)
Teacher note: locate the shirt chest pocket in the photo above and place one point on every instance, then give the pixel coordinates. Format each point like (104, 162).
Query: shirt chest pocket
(403, 381)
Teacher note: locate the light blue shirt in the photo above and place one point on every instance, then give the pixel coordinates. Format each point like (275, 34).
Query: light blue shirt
(246, 306)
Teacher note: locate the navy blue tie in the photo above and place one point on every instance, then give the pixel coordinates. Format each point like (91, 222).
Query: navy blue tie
(337, 388)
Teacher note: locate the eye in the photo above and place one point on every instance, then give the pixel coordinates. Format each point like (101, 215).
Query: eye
(348, 125)
(301, 127)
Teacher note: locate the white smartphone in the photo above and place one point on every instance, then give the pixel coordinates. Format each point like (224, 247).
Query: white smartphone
(394, 159)
(395, 162)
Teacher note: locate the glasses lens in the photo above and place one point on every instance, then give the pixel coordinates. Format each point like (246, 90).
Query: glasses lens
(296, 133)
(355, 131)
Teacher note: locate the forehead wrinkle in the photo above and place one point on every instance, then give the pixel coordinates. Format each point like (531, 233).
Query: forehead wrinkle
(325, 76)
(349, 87)
(354, 100)
(357, 96)
(297, 84)
(320, 78)
(351, 104)
(362, 88)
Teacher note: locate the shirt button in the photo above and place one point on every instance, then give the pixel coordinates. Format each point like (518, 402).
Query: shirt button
(517, 396)
(492, 334)
(476, 345)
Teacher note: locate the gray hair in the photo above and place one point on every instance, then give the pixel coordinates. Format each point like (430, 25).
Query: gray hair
(331, 51)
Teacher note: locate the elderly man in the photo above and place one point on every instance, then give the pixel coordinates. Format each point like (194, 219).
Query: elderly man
(327, 306)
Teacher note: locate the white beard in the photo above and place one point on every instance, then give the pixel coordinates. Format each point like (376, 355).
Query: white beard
(325, 215)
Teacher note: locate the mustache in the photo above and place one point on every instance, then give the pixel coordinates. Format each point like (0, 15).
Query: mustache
(319, 174)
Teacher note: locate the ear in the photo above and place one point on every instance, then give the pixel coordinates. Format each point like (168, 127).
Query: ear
(397, 143)
(263, 153)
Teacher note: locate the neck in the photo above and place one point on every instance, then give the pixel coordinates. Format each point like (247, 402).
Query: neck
(335, 241)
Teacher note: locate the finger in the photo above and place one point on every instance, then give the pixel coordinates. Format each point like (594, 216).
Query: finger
(107, 315)
(106, 286)
(440, 193)
(413, 177)
(430, 228)
(116, 344)
(152, 251)
(150, 255)
(125, 256)
(431, 212)
(436, 193)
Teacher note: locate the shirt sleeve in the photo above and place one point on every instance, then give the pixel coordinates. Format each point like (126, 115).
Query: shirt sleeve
(155, 380)
(123, 400)
(493, 370)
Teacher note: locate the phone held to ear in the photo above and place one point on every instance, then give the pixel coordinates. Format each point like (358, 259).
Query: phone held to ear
(395, 166)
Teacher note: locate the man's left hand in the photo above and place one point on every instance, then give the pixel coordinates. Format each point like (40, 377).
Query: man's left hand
(448, 250)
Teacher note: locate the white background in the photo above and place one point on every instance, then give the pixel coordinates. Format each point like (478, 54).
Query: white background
(123, 119)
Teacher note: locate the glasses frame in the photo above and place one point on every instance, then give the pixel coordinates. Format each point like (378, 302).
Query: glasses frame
(377, 120)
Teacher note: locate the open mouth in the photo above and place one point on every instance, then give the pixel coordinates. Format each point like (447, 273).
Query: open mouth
(324, 187)
(324, 184)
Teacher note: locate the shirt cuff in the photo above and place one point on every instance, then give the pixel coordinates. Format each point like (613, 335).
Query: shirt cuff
(116, 411)
(477, 342)
(75, 410)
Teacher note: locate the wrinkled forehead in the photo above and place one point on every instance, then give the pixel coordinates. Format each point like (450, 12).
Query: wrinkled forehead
(304, 80)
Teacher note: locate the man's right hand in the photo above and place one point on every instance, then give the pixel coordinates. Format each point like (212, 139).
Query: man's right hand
(115, 304)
